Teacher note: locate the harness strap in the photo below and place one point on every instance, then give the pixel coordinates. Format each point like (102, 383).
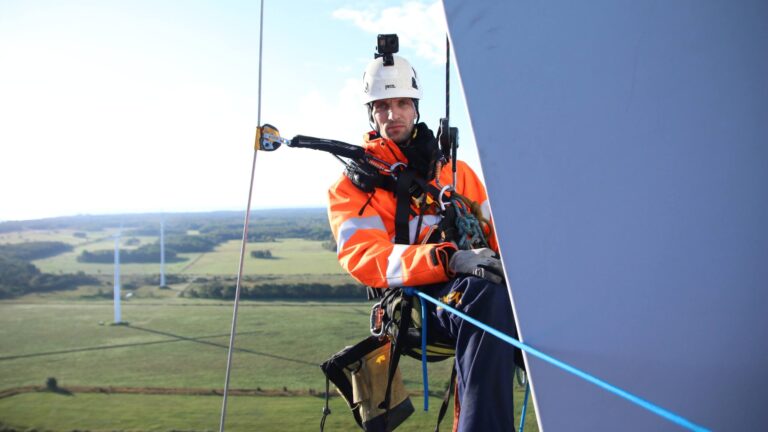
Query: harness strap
(394, 354)
(326, 409)
(421, 220)
(403, 209)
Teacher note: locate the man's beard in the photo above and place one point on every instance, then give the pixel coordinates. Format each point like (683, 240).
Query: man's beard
(404, 137)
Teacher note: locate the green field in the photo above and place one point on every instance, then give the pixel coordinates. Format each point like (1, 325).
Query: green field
(98, 413)
(62, 235)
(291, 257)
(178, 343)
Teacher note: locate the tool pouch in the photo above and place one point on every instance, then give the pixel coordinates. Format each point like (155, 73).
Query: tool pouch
(360, 374)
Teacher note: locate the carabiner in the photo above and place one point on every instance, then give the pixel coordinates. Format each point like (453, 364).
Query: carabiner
(394, 166)
(445, 189)
(377, 320)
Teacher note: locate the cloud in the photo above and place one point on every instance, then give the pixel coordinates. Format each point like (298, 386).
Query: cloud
(420, 26)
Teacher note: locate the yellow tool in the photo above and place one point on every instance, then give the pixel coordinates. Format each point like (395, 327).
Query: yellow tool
(268, 138)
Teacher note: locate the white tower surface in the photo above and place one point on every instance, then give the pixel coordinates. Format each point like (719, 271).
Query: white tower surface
(624, 148)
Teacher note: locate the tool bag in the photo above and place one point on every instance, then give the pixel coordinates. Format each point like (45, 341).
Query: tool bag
(361, 374)
(367, 375)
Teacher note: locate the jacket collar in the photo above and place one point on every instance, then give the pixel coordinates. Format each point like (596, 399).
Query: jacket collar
(383, 148)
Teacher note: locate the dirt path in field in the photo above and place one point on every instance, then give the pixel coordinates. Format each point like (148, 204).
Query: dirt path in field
(179, 391)
(71, 390)
(191, 263)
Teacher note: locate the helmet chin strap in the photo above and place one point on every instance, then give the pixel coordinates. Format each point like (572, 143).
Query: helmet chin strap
(371, 122)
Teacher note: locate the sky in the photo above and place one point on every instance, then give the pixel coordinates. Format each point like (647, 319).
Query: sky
(151, 106)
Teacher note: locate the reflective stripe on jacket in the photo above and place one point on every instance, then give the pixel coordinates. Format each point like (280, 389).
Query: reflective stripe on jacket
(364, 227)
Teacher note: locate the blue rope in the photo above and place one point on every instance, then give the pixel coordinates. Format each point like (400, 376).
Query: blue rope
(525, 405)
(674, 418)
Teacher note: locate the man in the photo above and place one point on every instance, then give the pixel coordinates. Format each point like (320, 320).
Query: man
(385, 247)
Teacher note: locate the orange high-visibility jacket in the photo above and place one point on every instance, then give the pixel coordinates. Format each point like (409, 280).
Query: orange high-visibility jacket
(363, 225)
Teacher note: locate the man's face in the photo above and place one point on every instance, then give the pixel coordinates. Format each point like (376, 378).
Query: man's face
(394, 118)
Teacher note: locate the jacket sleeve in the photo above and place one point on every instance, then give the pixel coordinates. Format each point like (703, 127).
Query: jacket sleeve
(366, 250)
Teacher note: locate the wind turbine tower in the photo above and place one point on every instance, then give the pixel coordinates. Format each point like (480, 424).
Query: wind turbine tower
(117, 279)
(162, 253)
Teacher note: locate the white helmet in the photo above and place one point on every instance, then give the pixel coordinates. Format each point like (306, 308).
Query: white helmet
(396, 81)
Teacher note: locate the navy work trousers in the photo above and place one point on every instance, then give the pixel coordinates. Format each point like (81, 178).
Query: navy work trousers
(484, 363)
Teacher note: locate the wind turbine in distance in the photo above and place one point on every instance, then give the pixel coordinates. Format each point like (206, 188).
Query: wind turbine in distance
(162, 254)
(116, 284)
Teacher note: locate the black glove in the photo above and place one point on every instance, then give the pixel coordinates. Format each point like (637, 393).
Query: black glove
(478, 262)
(363, 175)
(423, 152)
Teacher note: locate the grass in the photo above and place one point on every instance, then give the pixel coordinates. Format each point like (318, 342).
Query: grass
(62, 235)
(48, 411)
(179, 343)
(292, 257)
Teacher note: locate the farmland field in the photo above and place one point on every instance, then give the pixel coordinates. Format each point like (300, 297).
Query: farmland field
(178, 344)
(290, 257)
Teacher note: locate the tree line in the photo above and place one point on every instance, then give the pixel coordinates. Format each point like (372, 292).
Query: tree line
(298, 223)
(276, 291)
(19, 276)
(150, 253)
(29, 251)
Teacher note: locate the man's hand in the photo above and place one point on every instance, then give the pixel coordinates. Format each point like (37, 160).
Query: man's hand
(478, 262)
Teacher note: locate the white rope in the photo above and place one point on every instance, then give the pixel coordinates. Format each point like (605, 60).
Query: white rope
(245, 234)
